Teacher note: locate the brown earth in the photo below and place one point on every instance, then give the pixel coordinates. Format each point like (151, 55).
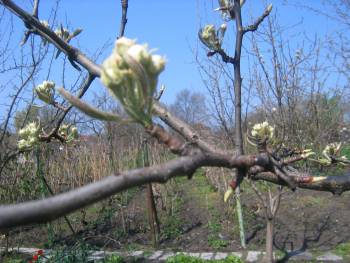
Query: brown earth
(195, 218)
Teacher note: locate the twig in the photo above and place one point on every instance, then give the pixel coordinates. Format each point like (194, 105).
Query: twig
(73, 53)
(124, 19)
(254, 27)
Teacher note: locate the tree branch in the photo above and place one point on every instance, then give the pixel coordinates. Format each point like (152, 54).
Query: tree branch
(256, 24)
(36, 8)
(183, 129)
(124, 19)
(33, 23)
(334, 184)
(54, 132)
(54, 207)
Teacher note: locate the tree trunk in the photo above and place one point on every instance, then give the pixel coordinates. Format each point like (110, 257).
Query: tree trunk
(238, 113)
(152, 216)
(151, 206)
(240, 217)
(268, 258)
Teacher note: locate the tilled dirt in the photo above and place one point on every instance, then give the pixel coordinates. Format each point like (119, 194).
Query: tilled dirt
(307, 220)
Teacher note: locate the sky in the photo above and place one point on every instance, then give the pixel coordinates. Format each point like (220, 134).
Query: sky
(169, 26)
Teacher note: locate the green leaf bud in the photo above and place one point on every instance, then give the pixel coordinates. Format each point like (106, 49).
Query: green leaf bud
(208, 36)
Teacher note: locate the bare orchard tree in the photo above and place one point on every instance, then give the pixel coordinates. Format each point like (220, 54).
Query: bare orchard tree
(291, 83)
(293, 87)
(190, 107)
(131, 74)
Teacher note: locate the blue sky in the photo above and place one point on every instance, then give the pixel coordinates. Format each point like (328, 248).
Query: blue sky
(169, 26)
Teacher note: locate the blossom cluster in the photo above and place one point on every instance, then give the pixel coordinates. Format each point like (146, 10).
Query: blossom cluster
(131, 75)
(331, 149)
(211, 37)
(46, 91)
(29, 137)
(262, 130)
(69, 133)
(225, 6)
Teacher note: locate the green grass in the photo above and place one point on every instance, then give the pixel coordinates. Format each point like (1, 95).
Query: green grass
(12, 258)
(181, 258)
(205, 189)
(113, 259)
(343, 250)
(279, 254)
(345, 150)
(315, 201)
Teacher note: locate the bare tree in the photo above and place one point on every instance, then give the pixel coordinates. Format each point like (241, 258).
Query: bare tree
(190, 107)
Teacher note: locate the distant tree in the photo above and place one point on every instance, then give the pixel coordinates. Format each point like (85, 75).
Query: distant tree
(190, 106)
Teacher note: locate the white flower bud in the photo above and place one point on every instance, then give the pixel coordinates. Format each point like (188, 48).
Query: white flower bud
(223, 26)
(269, 8)
(158, 64)
(45, 91)
(208, 32)
(123, 44)
(139, 53)
(209, 37)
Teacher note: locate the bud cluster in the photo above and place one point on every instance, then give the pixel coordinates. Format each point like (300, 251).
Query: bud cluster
(69, 133)
(46, 91)
(262, 130)
(331, 149)
(211, 37)
(131, 75)
(225, 6)
(29, 136)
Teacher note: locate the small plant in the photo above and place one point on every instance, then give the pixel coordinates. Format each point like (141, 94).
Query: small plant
(11, 257)
(38, 257)
(280, 254)
(171, 228)
(214, 227)
(216, 243)
(345, 151)
(78, 253)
